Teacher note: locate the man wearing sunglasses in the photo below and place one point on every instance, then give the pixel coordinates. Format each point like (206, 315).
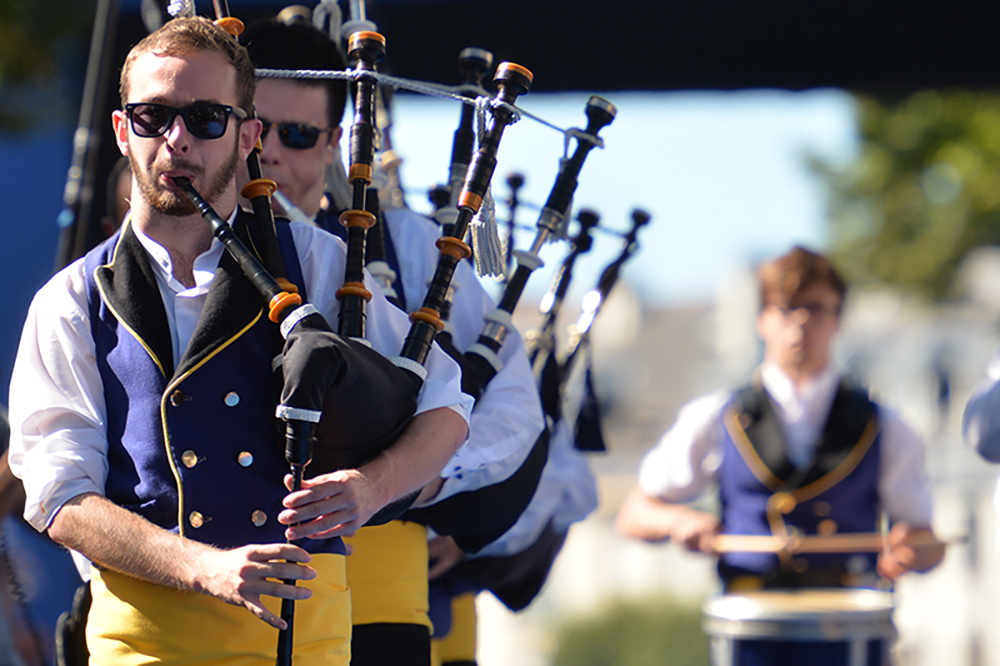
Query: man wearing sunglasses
(388, 573)
(143, 398)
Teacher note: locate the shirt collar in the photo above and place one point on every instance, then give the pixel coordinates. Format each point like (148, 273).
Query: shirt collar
(814, 397)
(204, 265)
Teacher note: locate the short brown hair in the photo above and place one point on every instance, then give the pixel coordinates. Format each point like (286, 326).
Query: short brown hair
(276, 45)
(182, 36)
(781, 280)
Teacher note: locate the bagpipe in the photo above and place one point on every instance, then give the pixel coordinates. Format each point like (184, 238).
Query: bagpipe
(475, 518)
(473, 63)
(515, 182)
(330, 380)
(552, 373)
(481, 358)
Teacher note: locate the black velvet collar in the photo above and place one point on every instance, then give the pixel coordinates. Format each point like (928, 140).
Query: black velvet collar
(850, 415)
(129, 287)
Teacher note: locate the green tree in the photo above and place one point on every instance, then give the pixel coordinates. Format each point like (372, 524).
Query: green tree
(43, 51)
(653, 633)
(924, 190)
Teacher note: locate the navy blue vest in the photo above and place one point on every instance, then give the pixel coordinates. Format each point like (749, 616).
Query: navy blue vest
(196, 451)
(837, 491)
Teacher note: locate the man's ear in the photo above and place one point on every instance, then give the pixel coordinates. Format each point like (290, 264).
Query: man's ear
(249, 133)
(119, 123)
(333, 145)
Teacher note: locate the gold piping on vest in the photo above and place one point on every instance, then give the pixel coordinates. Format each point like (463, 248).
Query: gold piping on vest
(846, 466)
(820, 485)
(748, 452)
(163, 415)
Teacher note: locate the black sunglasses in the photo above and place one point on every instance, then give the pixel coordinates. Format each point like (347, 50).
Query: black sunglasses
(203, 121)
(300, 136)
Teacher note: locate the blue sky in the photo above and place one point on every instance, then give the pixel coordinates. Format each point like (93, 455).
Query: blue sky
(723, 175)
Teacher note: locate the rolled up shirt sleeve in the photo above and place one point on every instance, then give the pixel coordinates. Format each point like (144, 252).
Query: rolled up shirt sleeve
(683, 463)
(58, 444)
(507, 419)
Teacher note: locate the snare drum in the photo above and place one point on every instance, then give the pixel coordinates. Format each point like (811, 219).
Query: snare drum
(829, 627)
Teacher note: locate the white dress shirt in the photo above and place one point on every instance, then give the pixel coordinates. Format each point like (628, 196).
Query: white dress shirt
(58, 439)
(684, 462)
(508, 416)
(566, 494)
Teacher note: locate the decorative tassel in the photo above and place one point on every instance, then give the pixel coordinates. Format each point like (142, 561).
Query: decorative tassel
(486, 246)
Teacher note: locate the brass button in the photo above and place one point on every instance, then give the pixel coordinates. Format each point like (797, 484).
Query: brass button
(827, 527)
(177, 398)
(245, 458)
(822, 508)
(800, 564)
(232, 399)
(744, 420)
(196, 519)
(259, 518)
(189, 458)
(782, 502)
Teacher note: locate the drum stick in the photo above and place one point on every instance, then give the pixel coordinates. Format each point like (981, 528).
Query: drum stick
(833, 543)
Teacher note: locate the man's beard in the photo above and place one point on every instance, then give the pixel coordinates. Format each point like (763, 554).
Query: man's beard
(176, 203)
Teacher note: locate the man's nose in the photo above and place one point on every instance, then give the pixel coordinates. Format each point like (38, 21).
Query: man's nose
(269, 142)
(177, 135)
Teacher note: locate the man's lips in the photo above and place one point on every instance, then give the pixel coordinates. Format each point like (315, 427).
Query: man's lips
(168, 177)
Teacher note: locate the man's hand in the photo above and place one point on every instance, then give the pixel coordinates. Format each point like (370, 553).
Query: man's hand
(329, 505)
(695, 530)
(653, 520)
(340, 503)
(242, 575)
(902, 554)
(118, 539)
(442, 554)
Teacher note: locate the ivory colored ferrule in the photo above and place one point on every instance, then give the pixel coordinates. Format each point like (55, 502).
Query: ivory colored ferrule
(354, 289)
(259, 187)
(230, 24)
(360, 172)
(453, 247)
(428, 316)
(357, 218)
(470, 200)
(389, 159)
(280, 303)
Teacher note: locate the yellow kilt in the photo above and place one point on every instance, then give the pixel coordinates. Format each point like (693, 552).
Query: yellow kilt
(460, 643)
(133, 622)
(387, 574)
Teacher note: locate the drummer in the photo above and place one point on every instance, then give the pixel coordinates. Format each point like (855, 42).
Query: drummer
(799, 450)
